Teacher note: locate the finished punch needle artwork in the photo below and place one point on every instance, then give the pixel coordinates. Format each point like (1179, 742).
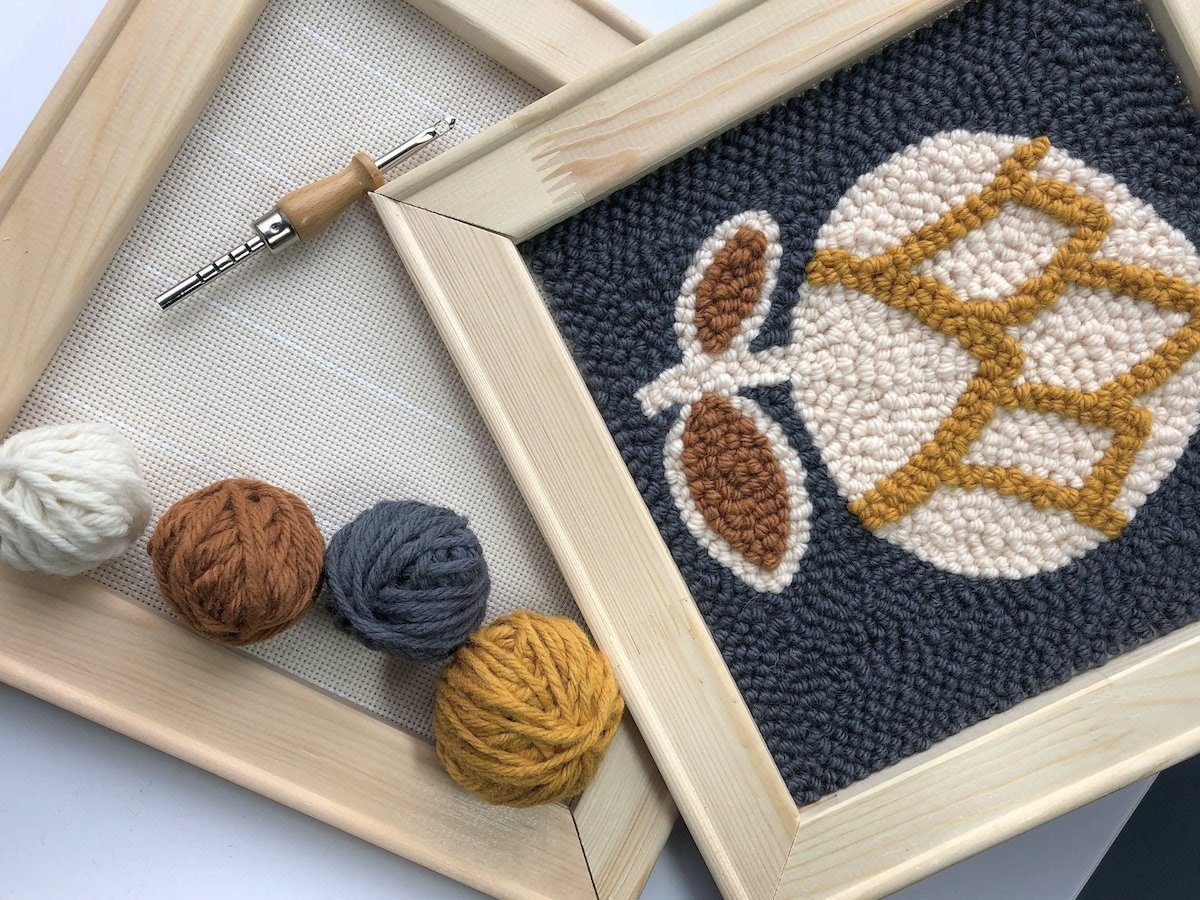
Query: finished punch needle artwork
(906, 371)
(997, 377)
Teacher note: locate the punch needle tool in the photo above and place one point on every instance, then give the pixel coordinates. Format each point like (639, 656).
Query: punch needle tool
(304, 213)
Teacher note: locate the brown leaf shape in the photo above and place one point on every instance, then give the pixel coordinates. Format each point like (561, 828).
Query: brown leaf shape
(735, 480)
(730, 288)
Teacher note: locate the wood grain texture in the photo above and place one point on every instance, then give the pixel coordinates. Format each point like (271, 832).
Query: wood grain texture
(119, 113)
(62, 97)
(547, 42)
(624, 817)
(1178, 21)
(312, 208)
(87, 649)
(616, 19)
(1098, 732)
(123, 129)
(656, 102)
(522, 378)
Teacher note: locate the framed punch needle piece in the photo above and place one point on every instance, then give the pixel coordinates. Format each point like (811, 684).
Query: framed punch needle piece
(845, 356)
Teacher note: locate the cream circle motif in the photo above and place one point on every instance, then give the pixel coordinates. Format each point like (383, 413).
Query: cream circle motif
(994, 352)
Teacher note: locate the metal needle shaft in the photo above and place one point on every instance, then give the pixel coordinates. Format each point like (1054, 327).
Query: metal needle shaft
(201, 277)
(414, 143)
(316, 204)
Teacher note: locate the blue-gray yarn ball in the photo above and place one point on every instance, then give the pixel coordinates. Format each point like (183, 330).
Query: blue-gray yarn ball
(407, 578)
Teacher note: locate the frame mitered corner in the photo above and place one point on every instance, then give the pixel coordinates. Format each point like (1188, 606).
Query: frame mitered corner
(616, 564)
(671, 94)
(627, 790)
(105, 81)
(231, 714)
(548, 43)
(850, 843)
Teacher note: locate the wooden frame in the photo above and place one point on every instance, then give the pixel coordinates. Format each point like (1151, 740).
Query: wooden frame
(122, 109)
(457, 236)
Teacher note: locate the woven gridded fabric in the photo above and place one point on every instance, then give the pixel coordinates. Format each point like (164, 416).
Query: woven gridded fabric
(906, 370)
(319, 372)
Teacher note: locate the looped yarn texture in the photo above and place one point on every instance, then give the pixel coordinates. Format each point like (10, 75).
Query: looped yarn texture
(525, 710)
(968, 328)
(71, 497)
(239, 561)
(408, 579)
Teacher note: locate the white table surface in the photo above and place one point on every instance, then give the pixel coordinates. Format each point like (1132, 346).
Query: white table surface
(85, 812)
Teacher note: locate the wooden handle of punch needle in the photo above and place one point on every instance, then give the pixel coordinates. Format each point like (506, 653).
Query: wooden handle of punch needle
(304, 212)
(314, 206)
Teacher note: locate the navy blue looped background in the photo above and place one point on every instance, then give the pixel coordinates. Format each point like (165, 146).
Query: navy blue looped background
(872, 655)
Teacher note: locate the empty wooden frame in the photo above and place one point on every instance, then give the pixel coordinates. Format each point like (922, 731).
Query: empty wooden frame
(115, 120)
(456, 230)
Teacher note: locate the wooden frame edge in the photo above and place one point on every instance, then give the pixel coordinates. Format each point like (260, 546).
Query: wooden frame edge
(1178, 22)
(667, 96)
(1102, 730)
(616, 19)
(617, 566)
(62, 98)
(548, 43)
(151, 101)
(231, 714)
(627, 789)
(860, 841)
(131, 111)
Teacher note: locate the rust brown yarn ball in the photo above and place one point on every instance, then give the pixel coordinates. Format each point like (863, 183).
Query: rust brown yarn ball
(239, 561)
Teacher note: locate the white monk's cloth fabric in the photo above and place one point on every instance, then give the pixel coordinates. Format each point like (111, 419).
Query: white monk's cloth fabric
(321, 371)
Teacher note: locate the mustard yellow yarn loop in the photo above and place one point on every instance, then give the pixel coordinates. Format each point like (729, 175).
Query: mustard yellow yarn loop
(525, 710)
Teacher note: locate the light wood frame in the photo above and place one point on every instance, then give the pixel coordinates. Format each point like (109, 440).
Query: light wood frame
(457, 234)
(119, 113)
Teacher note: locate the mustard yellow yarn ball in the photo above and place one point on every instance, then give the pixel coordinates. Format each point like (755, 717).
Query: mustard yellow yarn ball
(525, 710)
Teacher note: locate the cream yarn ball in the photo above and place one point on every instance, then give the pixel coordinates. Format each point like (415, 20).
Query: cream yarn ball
(71, 497)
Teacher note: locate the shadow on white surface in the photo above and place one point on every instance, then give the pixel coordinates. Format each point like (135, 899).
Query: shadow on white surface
(36, 43)
(86, 812)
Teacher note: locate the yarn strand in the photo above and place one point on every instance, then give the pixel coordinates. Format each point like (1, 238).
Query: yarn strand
(408, 579)
(71, 497)
(525, 710)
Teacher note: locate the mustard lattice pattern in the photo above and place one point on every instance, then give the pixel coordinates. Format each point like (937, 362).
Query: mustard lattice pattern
(980, 327)
(873, 644)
